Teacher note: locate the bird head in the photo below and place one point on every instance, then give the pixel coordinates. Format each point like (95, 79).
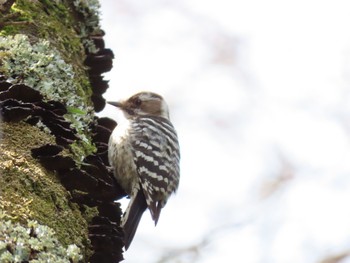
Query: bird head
(143, 104)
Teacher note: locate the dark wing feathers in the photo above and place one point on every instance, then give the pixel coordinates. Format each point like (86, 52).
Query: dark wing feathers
(156, 154)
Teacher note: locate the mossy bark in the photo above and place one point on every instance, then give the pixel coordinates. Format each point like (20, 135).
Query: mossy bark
(28, 191)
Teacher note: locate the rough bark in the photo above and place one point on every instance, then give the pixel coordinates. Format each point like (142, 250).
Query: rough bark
(56, 191)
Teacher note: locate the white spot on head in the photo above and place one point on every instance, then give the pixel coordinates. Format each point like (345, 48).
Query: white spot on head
(165, 109)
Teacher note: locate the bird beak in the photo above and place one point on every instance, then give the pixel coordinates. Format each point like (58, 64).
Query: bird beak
(123, 106)
(116, 103)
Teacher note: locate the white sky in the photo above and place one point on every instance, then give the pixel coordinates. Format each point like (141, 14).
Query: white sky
(259, 94)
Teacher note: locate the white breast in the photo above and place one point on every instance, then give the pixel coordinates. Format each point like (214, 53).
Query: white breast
(121, 157)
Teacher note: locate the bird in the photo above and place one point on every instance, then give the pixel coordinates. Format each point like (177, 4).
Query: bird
(143, 151)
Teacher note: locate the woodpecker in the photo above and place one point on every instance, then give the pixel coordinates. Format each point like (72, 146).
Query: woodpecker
(143, 150)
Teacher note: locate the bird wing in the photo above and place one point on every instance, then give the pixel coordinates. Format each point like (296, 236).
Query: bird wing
(157, 156)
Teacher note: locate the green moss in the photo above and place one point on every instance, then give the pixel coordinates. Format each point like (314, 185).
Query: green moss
(9, 29)
(33, 191)
(58, 22)
(88, 212)
(79, 149)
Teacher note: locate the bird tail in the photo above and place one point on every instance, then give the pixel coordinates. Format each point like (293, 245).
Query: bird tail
(132, 217)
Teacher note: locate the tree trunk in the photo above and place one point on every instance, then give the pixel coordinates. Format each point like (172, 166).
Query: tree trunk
(57, 195)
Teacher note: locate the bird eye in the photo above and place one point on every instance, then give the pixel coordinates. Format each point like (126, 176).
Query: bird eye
(137, 102)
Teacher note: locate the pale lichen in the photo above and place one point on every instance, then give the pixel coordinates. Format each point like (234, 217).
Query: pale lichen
(90, 9)
(51, 59)
(40, 66)
(34, 243)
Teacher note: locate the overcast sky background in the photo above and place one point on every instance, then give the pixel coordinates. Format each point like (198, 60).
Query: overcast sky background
(259, 94)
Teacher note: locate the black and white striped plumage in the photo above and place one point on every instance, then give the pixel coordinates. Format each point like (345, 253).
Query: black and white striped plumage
(144, 152)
